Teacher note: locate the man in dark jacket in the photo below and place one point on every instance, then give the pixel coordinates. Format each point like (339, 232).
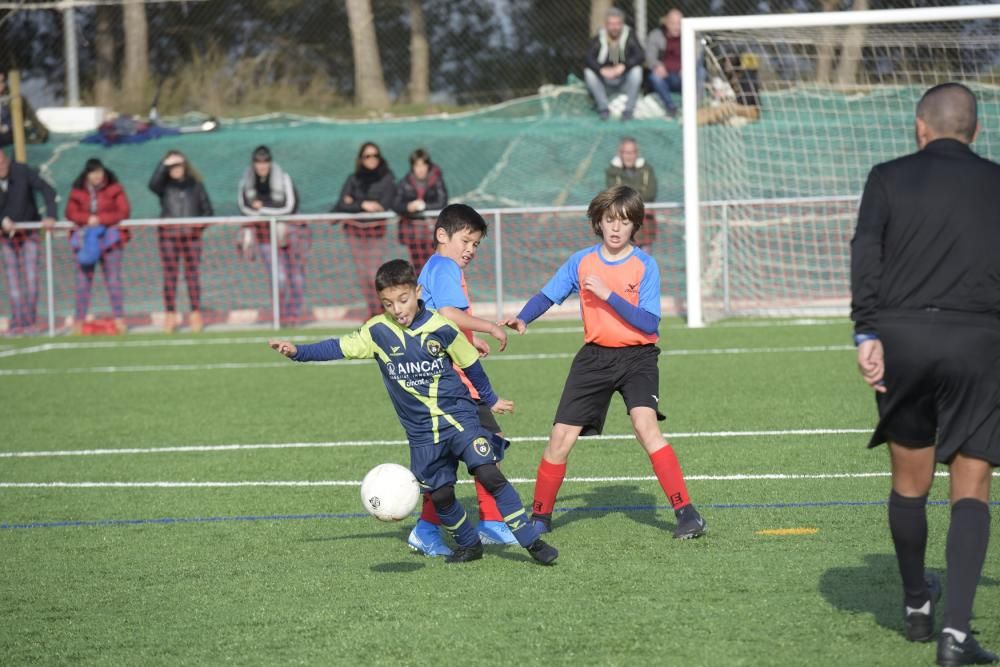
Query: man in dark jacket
(614, 64)
(631, 169)
(925, 286)
(19, 247)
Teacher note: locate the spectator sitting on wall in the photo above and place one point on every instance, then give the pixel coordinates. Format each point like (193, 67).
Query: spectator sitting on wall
(734, 98)
(34, 131)
(614, 64)
(629, 168)
(663, 59)
(422, 189)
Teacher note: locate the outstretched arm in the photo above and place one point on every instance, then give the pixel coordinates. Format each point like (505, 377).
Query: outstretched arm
(327, 350)
(467, 322)
(481, 382)
(535, 308)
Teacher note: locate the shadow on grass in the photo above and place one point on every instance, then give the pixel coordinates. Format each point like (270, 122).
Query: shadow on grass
(400, 532)
(626, 501)
(400, 566)
(874, 588)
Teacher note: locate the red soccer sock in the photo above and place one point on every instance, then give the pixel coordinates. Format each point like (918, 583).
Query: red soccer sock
(668, 472)
(488, 510)
(428, 513)
(550, 478)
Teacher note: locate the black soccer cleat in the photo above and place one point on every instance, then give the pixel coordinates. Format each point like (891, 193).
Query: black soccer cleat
(543, 522)
(920, 627)
(951, 652)
(543, 552)
(689, 524)
(466, 554)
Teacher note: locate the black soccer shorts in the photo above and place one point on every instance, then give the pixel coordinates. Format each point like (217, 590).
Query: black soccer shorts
(942, 379)
(597, 373)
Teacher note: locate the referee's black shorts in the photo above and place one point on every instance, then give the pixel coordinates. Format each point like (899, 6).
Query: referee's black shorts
(942, 379)
(597, 373)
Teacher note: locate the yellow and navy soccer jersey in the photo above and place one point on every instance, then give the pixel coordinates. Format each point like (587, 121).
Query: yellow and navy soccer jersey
(416, 365)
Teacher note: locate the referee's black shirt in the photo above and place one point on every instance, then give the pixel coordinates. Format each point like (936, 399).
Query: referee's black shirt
(928, 235)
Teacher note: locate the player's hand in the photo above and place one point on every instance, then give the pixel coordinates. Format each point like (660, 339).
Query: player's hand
(503, 406)
(871, 363)
(596, 286)
(513, 323)
(284, 347)
(497, 332)
(481, 346)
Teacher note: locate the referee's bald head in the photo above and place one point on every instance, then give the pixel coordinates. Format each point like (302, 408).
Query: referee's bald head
(949, 111)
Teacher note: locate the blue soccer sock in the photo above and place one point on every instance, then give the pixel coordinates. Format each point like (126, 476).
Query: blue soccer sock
(456, 522)
(515, 516)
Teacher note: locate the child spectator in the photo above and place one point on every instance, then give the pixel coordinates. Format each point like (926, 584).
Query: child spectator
(422, 189)
(182, 195)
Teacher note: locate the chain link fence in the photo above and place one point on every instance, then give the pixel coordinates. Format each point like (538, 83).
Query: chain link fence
(243, 57)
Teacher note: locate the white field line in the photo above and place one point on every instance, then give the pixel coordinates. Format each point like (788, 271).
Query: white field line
(13, 351)
(157, 368)
(396, 443)
(517, 480)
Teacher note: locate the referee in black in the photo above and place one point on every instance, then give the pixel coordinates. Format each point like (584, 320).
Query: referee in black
(925, 288)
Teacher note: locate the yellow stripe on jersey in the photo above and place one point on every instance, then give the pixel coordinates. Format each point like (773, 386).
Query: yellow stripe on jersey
(431, 403)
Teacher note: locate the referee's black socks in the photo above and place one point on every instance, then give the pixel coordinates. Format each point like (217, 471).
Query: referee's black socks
(908, 525)
(968, 536)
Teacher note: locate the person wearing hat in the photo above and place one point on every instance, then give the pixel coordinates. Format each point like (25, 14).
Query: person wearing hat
(97, 204)
(266, 191)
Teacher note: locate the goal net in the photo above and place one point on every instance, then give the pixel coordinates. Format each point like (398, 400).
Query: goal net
(782, 123)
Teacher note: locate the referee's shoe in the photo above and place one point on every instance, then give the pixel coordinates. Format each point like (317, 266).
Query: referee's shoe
(920, 626)
(951, 652)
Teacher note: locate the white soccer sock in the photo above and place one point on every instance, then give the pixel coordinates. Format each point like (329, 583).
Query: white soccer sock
(957, 634)
(926, 609)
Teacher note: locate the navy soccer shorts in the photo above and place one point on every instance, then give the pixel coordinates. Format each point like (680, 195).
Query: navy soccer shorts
(435, 465)
(942, 379)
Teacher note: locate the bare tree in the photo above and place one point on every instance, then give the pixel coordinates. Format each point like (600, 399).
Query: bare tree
(850, 54)
(420, 70)
(135, 82)
(104, 51)
(598, 11)
(369, 82)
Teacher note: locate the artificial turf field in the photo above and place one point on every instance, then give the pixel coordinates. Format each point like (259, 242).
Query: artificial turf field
(194, 500)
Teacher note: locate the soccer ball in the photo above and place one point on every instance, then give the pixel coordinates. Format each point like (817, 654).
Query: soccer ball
(390, 492)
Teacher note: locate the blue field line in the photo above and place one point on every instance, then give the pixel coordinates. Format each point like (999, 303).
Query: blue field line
(103, 523)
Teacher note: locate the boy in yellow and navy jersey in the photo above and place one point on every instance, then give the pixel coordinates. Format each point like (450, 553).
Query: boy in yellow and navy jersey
(415, 349)
(619, 287)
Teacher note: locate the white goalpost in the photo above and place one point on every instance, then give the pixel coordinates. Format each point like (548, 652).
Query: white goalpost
(783, 116)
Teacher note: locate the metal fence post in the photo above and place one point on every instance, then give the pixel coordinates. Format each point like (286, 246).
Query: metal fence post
(275, 273)
(726, 296)
(498, 260)
(50, 284)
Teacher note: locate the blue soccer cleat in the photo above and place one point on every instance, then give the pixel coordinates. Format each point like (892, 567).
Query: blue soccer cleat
(425, 538)
(495, 532)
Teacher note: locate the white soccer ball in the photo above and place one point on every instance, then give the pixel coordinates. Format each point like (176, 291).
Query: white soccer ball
(390, 492)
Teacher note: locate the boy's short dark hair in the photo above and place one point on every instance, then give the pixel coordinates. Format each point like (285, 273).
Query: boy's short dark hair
(394, 273)
(620, 200)
(457, 217)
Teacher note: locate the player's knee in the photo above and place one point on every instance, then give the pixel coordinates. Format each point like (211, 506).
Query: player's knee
(444, 497)
(490, 477)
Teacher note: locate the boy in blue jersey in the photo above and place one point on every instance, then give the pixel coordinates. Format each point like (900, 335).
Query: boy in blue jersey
(619, 287)
(415, 349)
(457, 233)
